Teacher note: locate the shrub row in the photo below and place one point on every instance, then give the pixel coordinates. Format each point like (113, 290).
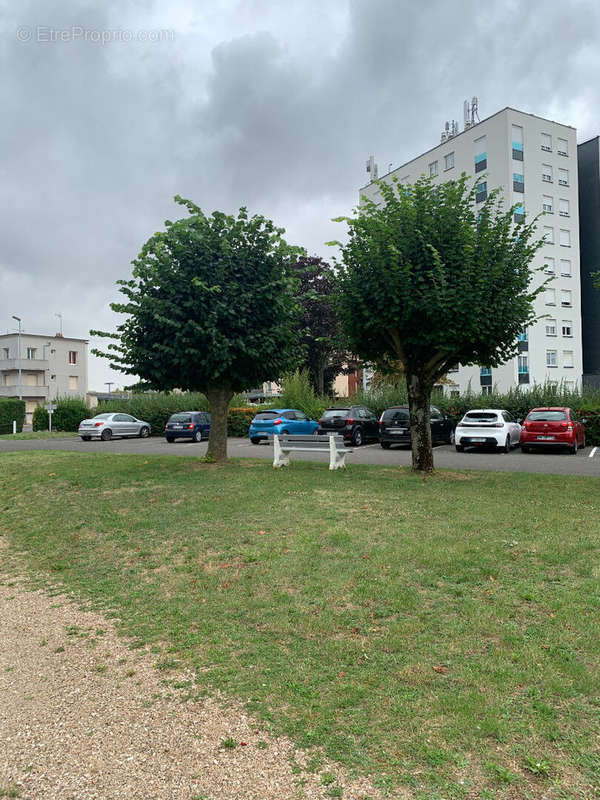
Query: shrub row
(11, 409)
(69, 413)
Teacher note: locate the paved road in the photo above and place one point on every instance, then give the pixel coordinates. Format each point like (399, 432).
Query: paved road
(586, 462)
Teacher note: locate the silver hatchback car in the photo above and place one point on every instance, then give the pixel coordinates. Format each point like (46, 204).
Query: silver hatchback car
(105, 426)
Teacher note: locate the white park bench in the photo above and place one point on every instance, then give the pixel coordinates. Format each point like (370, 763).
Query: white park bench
(287, 443)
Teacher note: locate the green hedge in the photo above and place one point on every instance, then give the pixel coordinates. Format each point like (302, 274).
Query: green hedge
(69, 413)
(11, 409)
(239, 419)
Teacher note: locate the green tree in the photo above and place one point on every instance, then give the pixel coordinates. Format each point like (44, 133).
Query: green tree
(211, 307)
(324, 355)
(430, 280)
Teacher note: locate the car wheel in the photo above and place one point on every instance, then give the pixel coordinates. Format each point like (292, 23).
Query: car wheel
(106, 435)
(255, 440)
(573, 448)
(86, 438)
(198, 436)
(144, 432)
(357, 438)
(459, 448)
(506, 447)
(386, 445)
(170, 439)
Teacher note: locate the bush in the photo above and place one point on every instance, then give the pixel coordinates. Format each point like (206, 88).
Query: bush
(239, 419)
(11, 409)
(69, 413)
(297, 392)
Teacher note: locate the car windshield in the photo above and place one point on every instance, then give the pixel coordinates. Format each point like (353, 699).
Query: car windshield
(480, 416)
(102, 416)
(264, 415)
(396, 415)
(181, 418)
(546, 416)
(335, 412)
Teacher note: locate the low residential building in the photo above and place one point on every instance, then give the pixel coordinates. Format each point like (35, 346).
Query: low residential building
(534, 161)
(49, 366)
(588, 154)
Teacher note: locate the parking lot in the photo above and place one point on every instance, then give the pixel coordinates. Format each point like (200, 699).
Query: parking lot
(586, 462)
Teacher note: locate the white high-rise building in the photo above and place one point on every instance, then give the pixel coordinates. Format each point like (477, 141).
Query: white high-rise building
(534, 161)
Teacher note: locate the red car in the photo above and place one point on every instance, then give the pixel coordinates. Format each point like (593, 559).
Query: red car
(552, 427)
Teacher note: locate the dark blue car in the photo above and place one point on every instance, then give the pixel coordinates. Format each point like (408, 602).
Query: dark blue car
(194, 425)
(280, 420)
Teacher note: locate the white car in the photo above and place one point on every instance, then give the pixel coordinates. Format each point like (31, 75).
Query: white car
(487, 427)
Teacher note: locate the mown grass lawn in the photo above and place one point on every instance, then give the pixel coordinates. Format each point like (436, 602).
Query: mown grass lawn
(37, 435)
(439, 634)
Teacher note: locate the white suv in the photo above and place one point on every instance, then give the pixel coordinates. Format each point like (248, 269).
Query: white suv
(487, 427)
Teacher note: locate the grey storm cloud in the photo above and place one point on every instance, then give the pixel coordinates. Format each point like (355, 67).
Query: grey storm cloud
(270, 105)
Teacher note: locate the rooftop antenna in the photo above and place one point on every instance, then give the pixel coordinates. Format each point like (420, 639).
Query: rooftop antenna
(474, 112)
(467, 114)
(60, 319)
(372, 168)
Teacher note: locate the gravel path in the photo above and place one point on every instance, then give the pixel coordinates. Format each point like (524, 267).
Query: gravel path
(83, 717)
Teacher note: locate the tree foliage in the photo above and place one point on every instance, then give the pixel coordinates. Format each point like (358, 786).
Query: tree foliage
(324, 355)
(211, 307)
(430, 279)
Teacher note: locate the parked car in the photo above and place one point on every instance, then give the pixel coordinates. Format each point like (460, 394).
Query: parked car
(194, 425)
(553, 427)
(105, 426)
(394, 426)
(280, 420)
(487, 427)
(357, 424)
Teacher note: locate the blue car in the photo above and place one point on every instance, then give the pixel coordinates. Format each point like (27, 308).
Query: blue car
(193, 425)
(280, 420)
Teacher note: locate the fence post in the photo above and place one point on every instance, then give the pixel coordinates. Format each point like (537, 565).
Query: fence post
(14, 425)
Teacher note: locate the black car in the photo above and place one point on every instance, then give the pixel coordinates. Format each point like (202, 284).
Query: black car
(394, 427)
(357, 424)
(194, 425)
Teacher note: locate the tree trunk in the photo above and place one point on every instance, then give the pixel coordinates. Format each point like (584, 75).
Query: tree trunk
(419, 400)
(218, 400)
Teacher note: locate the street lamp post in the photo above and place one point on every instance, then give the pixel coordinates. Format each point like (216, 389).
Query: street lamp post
(19, 358)
(109, 384)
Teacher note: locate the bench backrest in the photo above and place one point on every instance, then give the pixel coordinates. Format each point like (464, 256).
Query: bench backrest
(321, 442)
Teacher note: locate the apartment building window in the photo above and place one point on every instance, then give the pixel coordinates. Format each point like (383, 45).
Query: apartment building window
(550, 297)
(566, 298)
(547, 204)
(31, 351)
(449, 161)
(562, 147)
(546, 142)
(565, 267)
(433, 169)
(548, 234)
(549, 265)
(551, 358)
(523, 369)
(517, 142)
(6, 352)
(550, 327)
(547, 173)
(481, 192)
(563, 208)
(518, 182)
(519, 214)
(523, 342)
(485, 376)
(568, 359)
(565, 238)
(563, 177)
(567, 328)
(73, 382)
(480, 162)
(72, 356)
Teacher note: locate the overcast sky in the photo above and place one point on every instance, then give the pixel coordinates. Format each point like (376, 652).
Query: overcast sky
(111, 107)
